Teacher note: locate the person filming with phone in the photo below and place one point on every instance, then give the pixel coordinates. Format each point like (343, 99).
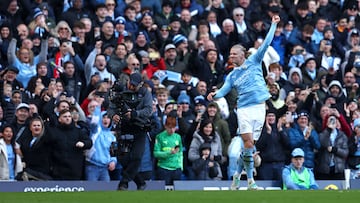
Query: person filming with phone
(168, 151)
(333, 152)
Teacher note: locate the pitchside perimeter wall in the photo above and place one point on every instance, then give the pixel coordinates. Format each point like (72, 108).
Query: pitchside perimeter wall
(80, 186)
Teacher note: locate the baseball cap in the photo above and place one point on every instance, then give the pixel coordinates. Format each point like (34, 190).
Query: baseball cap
(23, 106)
(135, 79)
(297, 152)
(170, 46)
(11, 68)
(200, 100)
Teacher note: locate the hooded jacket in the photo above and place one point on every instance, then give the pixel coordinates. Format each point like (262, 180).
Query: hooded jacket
(102, 137)
(290, 84)
(202, 169)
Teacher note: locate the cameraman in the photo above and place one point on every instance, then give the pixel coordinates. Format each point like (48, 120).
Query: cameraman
(132, 121)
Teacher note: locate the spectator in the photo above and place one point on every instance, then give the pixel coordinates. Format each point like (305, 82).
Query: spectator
(151, 62)
(204, 167)
(38, 25)
(7, 103)
(275, 100)
(9, 76)
(117, 60)
(295, 80)
(63, 31)
(226, 38)
(130, 16)
(96, 62)
(107, 34)
(75, 12)
(279, 43)
(74, 81)
(182, 48)
(68, 143)
(172, 61)
(310, 72)
(301, 15)
(302, 135)
(327, 59)
(163, 17)
(195, 9)
(187, 22)
(99, 161)
(133, 66)
(318, 33)
(10, 161)
(302, 37)
(25, 61)
(273, 145)
(65, 53)
(208, 67)
(341, 30)
(36, 150)
(221, 126)
(111, 9)
(296, 176)
(185, 85)
(19, 124)
(333, 152)
(326, 9)
(5, 36)
(168, 150)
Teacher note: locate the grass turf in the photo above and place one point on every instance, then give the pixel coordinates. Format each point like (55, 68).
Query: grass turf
(318, 196)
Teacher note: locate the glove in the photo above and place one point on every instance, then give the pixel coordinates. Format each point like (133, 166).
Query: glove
(44, 34)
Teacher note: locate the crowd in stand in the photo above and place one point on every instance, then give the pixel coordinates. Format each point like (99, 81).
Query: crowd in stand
(59, 60)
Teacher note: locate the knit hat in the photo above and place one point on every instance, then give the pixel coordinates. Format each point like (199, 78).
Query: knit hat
(37, 12)
(200, 100)
(303, 113)
(183, 98)
(354, 32)
(178, 39)
(120, 20)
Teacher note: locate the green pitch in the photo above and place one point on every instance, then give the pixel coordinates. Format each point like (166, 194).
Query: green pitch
(319, 196)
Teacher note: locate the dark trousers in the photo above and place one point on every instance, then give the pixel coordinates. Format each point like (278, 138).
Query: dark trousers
(270, 171)
(168, 175)
(131, 161)
(331, 175)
